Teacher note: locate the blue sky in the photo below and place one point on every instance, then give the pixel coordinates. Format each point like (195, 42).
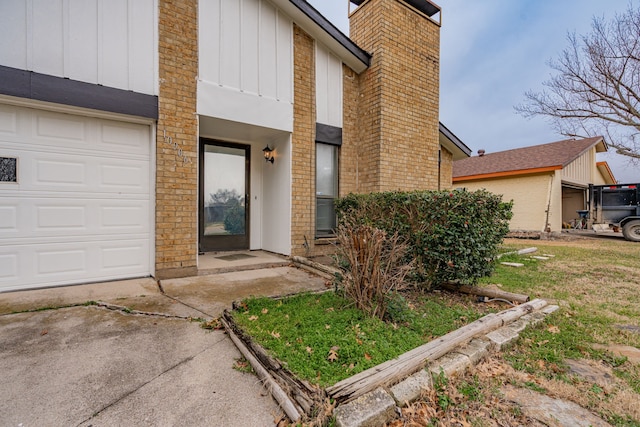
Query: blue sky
(491, 53)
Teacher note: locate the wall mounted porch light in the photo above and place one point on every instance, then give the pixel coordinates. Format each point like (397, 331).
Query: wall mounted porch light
(268, 154)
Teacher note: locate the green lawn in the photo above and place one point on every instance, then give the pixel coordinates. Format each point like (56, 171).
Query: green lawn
(322, 339)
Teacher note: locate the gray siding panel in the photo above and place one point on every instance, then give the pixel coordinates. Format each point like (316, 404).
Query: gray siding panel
(42, 87)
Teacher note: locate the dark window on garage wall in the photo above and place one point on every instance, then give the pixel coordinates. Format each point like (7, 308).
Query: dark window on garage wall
(8, 169)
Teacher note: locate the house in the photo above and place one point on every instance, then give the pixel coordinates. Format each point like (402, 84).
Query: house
(548, 183)
(134, 133)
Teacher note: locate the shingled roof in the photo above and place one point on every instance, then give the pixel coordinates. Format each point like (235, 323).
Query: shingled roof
(521, 161)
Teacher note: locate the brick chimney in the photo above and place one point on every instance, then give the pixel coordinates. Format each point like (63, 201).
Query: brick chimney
(399, 94)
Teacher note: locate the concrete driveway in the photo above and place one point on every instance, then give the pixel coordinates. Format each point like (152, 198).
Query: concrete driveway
(110, 364)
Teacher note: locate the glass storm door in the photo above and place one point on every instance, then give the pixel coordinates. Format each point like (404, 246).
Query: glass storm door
(224, 196)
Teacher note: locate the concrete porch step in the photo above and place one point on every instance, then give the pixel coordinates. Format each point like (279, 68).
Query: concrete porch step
(227, 262)
(231, 269)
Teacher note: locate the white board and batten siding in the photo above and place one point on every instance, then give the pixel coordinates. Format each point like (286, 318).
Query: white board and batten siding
(107, 42)
(245, 63)
(582, 171)
(79, 210)
(328, 87)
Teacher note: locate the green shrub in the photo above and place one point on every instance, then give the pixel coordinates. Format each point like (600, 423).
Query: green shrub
(398, 310)
(452, 236)
(234, 219)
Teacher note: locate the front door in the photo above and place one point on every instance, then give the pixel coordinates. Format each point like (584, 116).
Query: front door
(224, 196)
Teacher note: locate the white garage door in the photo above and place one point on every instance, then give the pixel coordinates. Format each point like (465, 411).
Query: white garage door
(74, 199)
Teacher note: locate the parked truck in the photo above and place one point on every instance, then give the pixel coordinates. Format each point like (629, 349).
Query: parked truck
(615, 207)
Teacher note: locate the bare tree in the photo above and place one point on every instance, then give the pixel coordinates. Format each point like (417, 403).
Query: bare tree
(596, 90)
(225, 196)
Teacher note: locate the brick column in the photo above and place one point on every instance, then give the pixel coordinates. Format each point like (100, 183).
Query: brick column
(446, 169)
(303, 150)
(177, 140)
(350, 154)
(399, 96)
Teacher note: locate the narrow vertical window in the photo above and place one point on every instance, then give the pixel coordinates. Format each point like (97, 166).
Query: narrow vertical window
(326, 188)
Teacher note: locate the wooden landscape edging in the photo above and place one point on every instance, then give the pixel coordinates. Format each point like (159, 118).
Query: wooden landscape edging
(296, 397)
(486, 292)
(270, 384)
(412, 361)
(326, 270)
(519, 252)
(300, 400)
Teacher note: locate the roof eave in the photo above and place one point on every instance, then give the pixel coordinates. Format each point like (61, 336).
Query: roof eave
(319, 27)
(606, 172)
(452, 143)
(505, 174)
(424, 6)
(600, 145)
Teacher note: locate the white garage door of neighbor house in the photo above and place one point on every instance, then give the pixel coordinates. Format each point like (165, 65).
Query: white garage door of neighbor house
(74, 199)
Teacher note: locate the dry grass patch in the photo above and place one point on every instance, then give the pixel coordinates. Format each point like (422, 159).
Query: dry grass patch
(475, 398)
(472, 399)
(597, 284)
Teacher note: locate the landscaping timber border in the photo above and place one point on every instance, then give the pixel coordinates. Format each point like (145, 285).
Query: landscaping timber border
(412, 361)
(301, 400)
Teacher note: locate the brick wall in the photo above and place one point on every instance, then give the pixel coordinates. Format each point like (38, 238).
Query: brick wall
(177, 140)
(390, 114)
(303, 144)
(303, 165)
(350, 150)
(446, 169)
(399, 96)
(348, 160)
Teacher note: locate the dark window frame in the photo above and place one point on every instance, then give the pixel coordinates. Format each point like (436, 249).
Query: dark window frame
(329, 136)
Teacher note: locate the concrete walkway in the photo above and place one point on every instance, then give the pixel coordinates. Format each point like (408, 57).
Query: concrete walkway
(76, 365)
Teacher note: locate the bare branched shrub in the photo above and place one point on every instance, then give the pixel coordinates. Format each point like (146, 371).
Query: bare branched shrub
(372, 263)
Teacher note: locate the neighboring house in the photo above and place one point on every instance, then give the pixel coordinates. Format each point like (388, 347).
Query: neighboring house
(547, 183)
(133, 133)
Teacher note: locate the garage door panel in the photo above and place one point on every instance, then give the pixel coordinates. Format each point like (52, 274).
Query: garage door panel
(123, 256)
(22, 147)
(51, 264)
(8, 121)
(8, 267)
(19, 261)
(130, 138)
(120, 217)
(61, 217)
(8, 218)
(29, 128)
(65, 129)
(59, 173)
(56, 217)
(35, 241)
(55, 261)
(80, 210)
(132, 177)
